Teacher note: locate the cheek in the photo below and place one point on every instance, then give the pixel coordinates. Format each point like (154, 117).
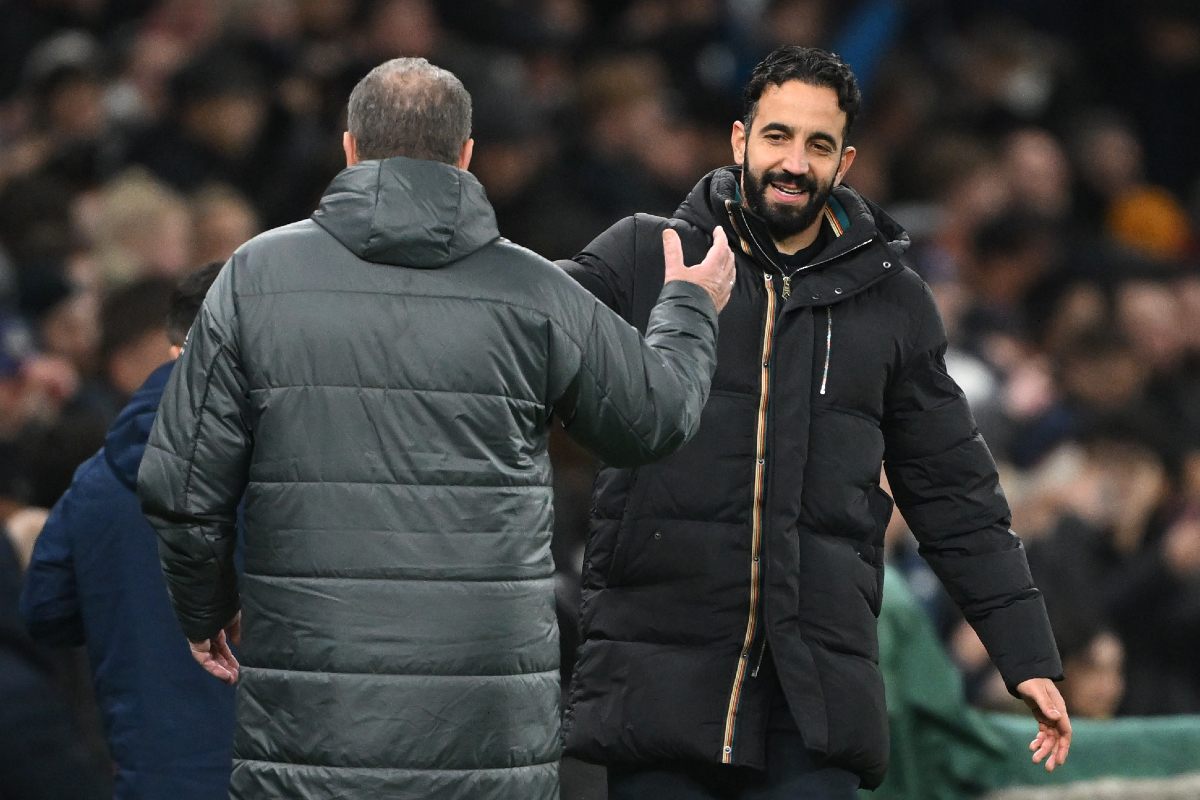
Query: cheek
(829, 174)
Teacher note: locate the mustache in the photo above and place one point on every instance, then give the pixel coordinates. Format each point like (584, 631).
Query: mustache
(804, 183)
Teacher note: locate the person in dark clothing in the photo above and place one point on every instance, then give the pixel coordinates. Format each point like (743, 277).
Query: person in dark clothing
(95, 580)
(220, 108)
(730, 592)
(41, 756)
(378, 382)
(132, 345)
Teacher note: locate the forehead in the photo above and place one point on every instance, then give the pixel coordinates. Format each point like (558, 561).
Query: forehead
(802, 106)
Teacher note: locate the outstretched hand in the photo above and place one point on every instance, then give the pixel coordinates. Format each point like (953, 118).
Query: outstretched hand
(214, 654)
(1054, 726)
(714, 274)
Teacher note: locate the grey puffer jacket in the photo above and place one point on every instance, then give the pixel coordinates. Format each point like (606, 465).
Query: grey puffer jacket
(378, 382)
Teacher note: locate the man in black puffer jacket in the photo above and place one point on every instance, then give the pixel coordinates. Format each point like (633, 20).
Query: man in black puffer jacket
(730, 592)
(378, 380)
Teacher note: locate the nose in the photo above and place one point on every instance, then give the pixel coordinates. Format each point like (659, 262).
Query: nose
(796, 160)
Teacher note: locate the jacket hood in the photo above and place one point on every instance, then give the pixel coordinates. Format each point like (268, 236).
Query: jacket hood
(126, 440)
(719, 191)
(407, 212)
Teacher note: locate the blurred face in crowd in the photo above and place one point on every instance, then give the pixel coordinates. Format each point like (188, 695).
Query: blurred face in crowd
(1104, 381)
(230, 124)
(1150, 312)
(1093, 681)
(792, 156)
(76, 108)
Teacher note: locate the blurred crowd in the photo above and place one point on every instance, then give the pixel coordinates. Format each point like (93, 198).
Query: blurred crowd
(1043, 157)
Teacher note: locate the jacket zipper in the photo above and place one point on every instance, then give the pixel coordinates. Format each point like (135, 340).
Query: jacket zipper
(755, 524)
(828, 346)
(759, 472)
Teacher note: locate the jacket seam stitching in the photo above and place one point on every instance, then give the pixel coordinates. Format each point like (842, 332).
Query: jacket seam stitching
(414, 389)
(472, 770)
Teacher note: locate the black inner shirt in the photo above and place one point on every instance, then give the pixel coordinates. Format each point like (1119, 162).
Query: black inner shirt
(806, 255)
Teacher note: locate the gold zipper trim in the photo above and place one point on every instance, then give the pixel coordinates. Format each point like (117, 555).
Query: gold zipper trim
(755, 525)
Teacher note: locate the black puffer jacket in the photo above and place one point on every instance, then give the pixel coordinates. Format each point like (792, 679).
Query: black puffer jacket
(378, 381)
(768, 526)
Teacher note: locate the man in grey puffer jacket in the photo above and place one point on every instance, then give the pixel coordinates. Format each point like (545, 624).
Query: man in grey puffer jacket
(378, 381)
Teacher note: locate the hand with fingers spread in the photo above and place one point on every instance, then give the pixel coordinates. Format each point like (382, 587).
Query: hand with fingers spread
(1054, 726)
(714, 274)
(214, 654)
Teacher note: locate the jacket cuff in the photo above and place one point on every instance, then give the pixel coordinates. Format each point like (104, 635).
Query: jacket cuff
(1020, 642)
(201, 629)
(700, 299)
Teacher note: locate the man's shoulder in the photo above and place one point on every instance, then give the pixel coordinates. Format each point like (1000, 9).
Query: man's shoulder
(905, 288)
(302, 232)
(635, 242)
(88, 503)
(637, 227)
(526, 278)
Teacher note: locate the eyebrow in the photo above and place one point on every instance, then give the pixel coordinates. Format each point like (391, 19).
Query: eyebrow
(790, 131)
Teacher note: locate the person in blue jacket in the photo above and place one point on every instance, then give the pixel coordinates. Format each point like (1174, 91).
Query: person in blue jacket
(95, 580)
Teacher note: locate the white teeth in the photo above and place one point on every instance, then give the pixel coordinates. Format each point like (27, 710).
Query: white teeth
(787, 191)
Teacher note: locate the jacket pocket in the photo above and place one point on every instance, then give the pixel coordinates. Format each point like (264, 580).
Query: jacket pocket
(881, 505)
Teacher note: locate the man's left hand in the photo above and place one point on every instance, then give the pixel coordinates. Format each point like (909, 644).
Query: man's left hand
(1054, 726)
(214, 654)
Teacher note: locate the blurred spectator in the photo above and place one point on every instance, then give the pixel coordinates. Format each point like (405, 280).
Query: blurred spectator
(520, 164)
(40, 754)
(1009, 255)
(222, 221)
(143, 229)
(1040, 173)
(1093, 673)
(1144, 217)
(133, 343)
(1157, 612)
(37, 236)
(32, 389)
(638, 157)
(219, 108)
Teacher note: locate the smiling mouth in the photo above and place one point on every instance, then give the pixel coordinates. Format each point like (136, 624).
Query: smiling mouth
(789, 191)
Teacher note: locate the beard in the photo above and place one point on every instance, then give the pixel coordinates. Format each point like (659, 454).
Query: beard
(784, 221)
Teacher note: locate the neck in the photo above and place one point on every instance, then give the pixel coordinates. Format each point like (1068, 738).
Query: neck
(794, 244)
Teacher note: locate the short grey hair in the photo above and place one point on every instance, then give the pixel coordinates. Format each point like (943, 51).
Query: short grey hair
(409, 107)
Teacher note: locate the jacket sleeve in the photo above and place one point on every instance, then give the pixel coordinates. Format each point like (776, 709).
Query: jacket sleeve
(196, 466)
(50, 597)
(606, 267)
(631, 400)
(945, 483)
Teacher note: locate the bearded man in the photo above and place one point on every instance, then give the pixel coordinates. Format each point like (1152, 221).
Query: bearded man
(730, 592)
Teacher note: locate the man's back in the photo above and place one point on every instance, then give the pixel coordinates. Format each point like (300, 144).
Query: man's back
(95, 580)
(380, 379)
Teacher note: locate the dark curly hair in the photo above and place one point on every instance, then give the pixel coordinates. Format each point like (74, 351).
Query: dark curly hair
(810, 65)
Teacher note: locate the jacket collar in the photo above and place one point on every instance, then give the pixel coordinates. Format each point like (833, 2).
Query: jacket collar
(869, 239)
(126, 439)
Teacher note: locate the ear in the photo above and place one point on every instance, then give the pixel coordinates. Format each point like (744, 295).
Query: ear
(844, 166)
(464, 155)
(175, 351)
(737, 140)
(350, 146)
